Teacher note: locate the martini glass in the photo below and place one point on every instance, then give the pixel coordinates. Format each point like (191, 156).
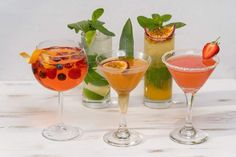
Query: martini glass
(190, 71)
(60, 66)
(123, 81)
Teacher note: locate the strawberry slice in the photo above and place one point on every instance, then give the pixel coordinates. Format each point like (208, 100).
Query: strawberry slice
(211, 49)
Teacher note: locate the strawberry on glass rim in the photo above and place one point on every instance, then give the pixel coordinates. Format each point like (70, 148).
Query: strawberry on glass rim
(160, 34)
(211, 49)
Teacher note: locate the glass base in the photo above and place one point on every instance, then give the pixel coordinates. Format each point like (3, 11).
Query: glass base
(133, 139)
(158, 104)
(61, 132)
(96, 104)
(197, 137)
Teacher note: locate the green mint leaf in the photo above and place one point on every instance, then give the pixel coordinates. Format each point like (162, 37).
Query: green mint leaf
(157, 75)
(97, 14)
(155, 16)
(83, 26)
(90, 36)
(177, 24)
(95, 79)
(146, 22)
(127, 39)
(99, 26)
(166, 17)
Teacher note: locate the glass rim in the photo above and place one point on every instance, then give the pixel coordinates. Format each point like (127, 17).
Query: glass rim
(98, 37)
(148, 60)
(77, 45)
(172, 52)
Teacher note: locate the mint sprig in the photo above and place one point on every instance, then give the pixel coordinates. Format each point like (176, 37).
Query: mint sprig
(158, 21)
(127, 39)
(90, 26)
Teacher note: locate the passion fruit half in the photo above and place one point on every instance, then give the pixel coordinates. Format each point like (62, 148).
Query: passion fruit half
(161, 34)
(119, 65)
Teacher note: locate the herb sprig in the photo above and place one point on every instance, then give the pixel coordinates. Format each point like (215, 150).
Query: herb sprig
(127, 39)
(89, 27)
(157, 21)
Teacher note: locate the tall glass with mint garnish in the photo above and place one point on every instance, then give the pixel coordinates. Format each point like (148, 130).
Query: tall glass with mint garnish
(159, 38)
(96, 39)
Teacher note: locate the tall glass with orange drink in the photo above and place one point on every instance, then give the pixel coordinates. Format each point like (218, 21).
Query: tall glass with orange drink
(159, 38)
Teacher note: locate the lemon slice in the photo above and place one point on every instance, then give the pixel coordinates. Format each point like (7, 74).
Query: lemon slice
(162, 33)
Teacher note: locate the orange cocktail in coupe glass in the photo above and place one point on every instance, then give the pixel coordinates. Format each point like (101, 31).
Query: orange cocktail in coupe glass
(123, 74)
(190, 71)
(59, 65)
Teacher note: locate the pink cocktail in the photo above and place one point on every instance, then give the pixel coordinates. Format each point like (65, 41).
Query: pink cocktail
(190, 71)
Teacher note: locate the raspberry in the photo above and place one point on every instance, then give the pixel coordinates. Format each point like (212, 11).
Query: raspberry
(74, 73)
(51, 73)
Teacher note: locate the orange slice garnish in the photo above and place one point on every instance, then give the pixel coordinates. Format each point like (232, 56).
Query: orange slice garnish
(161, 34)
(34, 57)
(116, 65)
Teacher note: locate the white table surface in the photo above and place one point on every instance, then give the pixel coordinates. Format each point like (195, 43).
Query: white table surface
(26, 108)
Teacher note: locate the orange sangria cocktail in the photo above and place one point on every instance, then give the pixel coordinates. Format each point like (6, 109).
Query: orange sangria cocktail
(59, 65)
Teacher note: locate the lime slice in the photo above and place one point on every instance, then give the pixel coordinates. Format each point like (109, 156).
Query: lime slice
(91, 95)
(90, 36)
(100, 90)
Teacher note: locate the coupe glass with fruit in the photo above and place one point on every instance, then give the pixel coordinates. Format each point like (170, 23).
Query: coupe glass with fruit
(159, 38)
(123, 74)
(190, 70)
(59, 65)
(96, 90)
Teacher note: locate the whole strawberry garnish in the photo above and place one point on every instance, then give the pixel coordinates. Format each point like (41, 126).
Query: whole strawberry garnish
(211, 49)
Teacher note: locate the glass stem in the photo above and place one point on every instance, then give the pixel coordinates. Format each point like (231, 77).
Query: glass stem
(60, 107)
(123, 132)
(188, 129)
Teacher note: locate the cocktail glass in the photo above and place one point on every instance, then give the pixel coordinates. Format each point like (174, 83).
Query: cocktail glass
(190, 71)
(157, 80)
(61, 66)
(96, 90)
(123, 82)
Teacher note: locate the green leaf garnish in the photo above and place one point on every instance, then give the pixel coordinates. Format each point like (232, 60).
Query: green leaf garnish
(127, 39)
(157, 22)
(95, 79)
(177, 24)
(91, 26)
(97, 13)
(98, 26)
(166, 17)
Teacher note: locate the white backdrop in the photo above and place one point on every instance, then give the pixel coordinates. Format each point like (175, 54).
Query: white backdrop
(24, 23)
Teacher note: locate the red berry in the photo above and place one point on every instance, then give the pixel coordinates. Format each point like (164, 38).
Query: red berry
(210, 49)
(74, 73)
(51, 73)
(68, 65)
(81, 63)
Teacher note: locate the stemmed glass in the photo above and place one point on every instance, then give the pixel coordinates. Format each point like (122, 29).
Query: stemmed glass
(123, 74)
(190, 72)
(60, 66)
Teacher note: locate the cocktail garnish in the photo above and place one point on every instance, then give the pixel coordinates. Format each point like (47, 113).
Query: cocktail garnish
(34, 57)
(211, 49)
(117, 65)
(89, 27)
(161, 34)
(155, 28)
(127, 39)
